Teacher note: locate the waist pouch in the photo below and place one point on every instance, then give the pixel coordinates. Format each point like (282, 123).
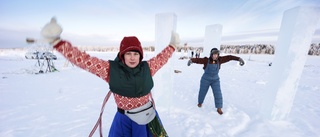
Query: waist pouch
(143, 114)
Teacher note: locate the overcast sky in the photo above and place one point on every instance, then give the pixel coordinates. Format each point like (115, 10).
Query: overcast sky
(106, 22)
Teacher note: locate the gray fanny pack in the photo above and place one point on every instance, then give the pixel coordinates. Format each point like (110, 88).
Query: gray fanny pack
(143, 114)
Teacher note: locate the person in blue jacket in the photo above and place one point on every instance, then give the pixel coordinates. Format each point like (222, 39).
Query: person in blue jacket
(210, 77)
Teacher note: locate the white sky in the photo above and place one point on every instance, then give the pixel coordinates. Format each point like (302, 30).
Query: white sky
(105, 22)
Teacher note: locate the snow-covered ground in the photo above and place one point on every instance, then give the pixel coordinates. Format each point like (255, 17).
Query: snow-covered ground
(67, 103)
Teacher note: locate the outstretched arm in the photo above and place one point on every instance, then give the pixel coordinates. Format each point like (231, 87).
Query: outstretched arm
(203, 61)
(51, 33)
(83, 60)
(199, 60)
(227, 58)
(162, 58)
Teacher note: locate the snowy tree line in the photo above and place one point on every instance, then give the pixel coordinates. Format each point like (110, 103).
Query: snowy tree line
(248, 49)
(314, 49)
(232, 49)
(262, 49)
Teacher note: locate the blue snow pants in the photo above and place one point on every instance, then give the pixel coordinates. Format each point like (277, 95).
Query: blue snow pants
(210, 78)
(123, 126)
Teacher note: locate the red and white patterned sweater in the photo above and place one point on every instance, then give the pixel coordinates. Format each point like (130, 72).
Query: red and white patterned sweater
(101, 68)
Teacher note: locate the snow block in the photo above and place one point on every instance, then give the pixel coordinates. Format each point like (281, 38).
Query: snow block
(165, 23)
(212, 38)
(296, 31)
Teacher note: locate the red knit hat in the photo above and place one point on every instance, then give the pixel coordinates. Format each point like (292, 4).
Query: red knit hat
(130, 43)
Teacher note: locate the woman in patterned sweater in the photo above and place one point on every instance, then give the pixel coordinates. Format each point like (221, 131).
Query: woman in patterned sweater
(129, 78)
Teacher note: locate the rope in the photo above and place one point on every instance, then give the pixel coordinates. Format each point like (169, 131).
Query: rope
(99, 122)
